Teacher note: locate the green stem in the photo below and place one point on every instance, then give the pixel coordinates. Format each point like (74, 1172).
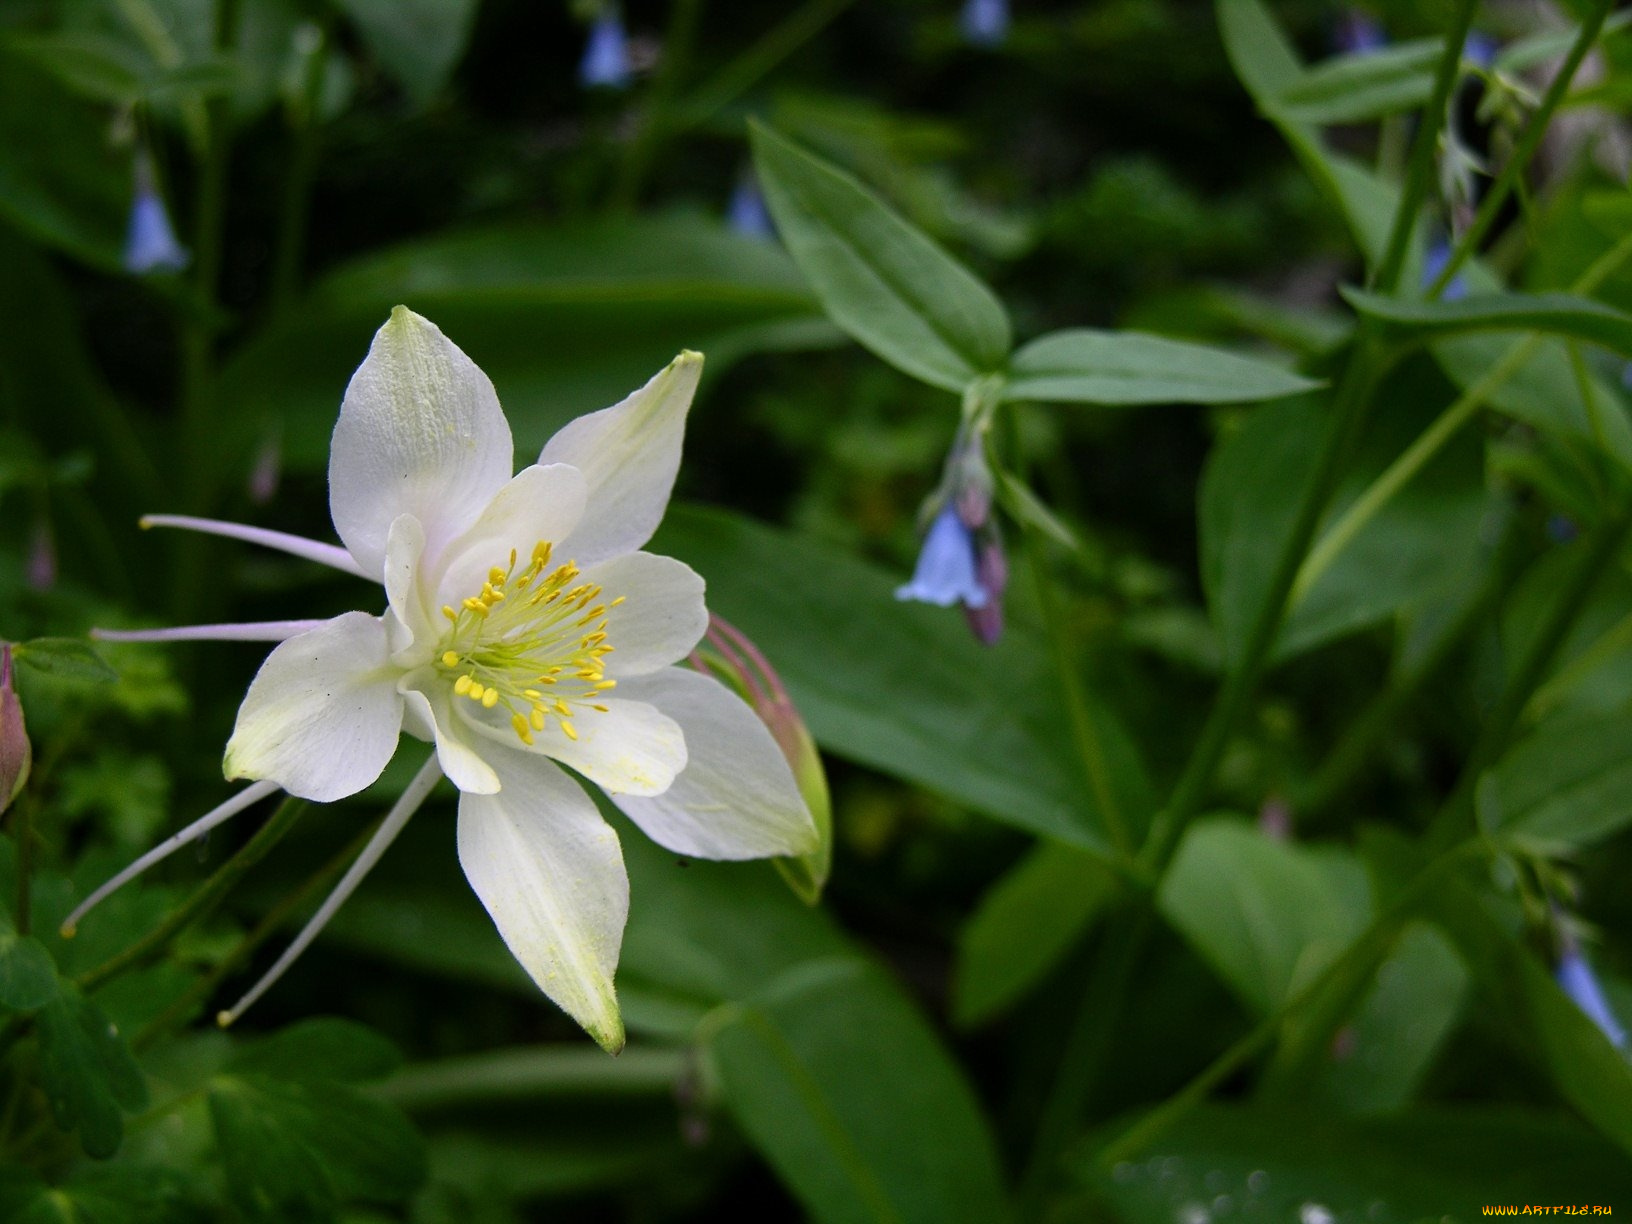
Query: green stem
(23, 826)
(532, 1072)
(1420, 174)
(181, 1010)
(1524, 148)
(749, 68)
(1087, 1046)
(1089, 748)
(1432, 440)
(1383, 713)
(201, 902)
(658, 124)
(1455, 818)
(1360, 375)
(307, 121)
(1382, 931)
(1605, 647)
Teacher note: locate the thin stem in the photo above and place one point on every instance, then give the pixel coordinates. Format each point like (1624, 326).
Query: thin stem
(1420, 173)
(1348, 411)
(273, 920)
(201, 902)
(744, 72)
(1083, 729)
(1454, 819)
(1524, 148)
(1432, 440)
(532, 1072)
(1382, 930)
(1087, 1046)
(657, 123)
(23, 826)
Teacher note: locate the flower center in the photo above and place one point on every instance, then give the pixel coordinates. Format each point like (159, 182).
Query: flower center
(531, 640)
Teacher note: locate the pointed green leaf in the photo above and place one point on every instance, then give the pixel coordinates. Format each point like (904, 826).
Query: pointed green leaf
(880, 278)
(417, 41)
(1107, 367)
(1364, 85)
(66, 658)
(1566, 785)
(321, 1048)
(1555, 313)
(89, 1073)
(28, 977)
(844, 1088)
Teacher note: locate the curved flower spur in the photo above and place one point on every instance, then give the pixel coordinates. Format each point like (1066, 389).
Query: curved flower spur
(523, 627)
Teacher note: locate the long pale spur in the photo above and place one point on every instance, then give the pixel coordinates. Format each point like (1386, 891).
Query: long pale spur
(523, 627)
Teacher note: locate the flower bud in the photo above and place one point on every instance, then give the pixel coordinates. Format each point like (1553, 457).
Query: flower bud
(747, 213)
(731, 657)
(985, 23)
(16, 753)
(1358, 33)
(41, 570)
(992, 573)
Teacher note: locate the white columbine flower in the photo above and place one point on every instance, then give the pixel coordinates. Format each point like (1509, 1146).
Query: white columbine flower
(523, 627)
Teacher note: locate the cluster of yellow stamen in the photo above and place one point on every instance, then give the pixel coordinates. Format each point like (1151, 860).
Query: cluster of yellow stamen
(533, 641)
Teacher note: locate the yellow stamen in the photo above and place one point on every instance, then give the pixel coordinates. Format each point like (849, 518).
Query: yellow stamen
(569, 729)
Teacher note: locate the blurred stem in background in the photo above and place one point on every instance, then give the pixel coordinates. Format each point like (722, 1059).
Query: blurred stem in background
(306, 126)
(679, 41)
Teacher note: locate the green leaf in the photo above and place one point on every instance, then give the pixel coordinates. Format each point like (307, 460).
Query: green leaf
(1431, 1164)
(322, 1048)
(65, 658)
(882, 280)
(296, 1149)
(59, 180)
(418, 41)
(1566, 785)
(1081, 365)
(1554, 313)
(88, 1071)
(1364, 85)
(843, 1087)
(1024, 926)
(564, 319)
(1425, 537)
(117, 1194)
(1389, 1044)
(28, 976)
(1266, 915)
(93, 65)
(912, 696)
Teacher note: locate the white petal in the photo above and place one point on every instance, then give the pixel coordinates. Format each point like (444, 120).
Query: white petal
(628, 748)
(430, 715)
(541, 503)
(404, 593)
(322, 716)
(662, 616)
(550, 872)
(420, 432)
(736, 797)
(629, 454)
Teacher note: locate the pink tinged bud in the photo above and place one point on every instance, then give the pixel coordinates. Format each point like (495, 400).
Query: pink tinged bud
(266, 471)
(992, 575)
(1275, 819)
(42, 557)
(16, 754)
(731, 656)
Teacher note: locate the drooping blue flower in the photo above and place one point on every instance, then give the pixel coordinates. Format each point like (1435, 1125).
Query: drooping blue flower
(1480, 49)
(1358, 33)
(746, 212)
(992, 572)
(606, 54)
(985, 22)
(150, 242)
(1576, 979)
(946, 571)
(1439, 254)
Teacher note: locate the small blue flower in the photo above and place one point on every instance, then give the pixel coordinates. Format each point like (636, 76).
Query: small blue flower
(1575, 978)
(747, 213)
(946, 572)
(1480, 49)
(1359, 33)
(1439, 254)
(985, 22)
(606, 54)
(150, 242)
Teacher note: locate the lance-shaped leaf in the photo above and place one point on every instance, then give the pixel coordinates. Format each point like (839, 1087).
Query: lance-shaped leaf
(1085, 366)
(1366, 85)
(880, 278)
(1555, 313)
